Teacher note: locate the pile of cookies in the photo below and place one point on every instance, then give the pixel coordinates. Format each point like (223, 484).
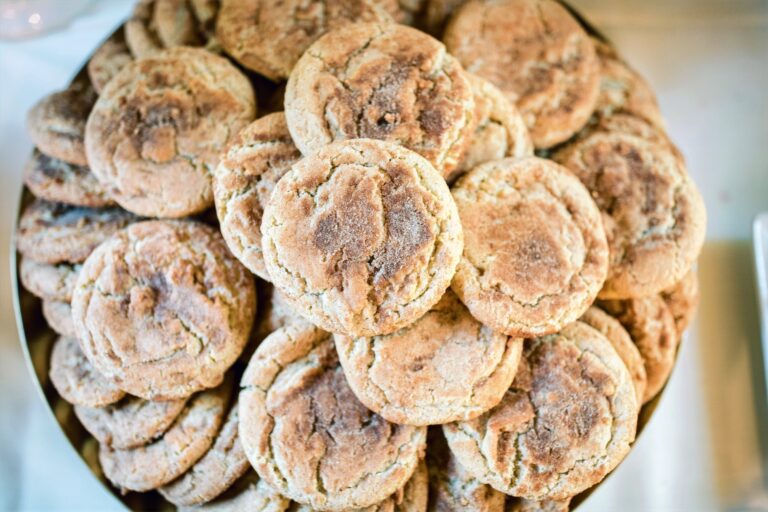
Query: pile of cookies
(473, 253)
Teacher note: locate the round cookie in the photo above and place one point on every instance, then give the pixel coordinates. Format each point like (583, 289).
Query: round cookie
(158, 24)
(243, 181)
(131, 422)
(653, 214)
(56, 180)
(446, 366)
(565, 423)
(164, 307)
(651, 325)
(682, 300)
(215, 472)
(108, 60)
(622, 342)
(386, 82)
(307, 435)
(49, 282)
(58, 315)
(535, 254)
(55, 233)
(247, 494)
(500, 130)
(535, 52)
(451, 487)
(56, 123)
(76, 380)
(269, 36)
(362, 237)
(156, 464)
(163, 121)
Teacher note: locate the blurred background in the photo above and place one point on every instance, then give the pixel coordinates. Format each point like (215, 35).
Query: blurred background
(706, 447)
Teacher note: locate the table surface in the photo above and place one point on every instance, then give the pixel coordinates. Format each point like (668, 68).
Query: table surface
(705, 448)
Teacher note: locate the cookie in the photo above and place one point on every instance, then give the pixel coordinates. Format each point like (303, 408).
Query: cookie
(130, 423)
(622, 89)
(535, 52)
(243, 181)
(49, 282)
(162, 121)
(58, 315)
(247, 494)
(58, 233)
(108, 60)
(269, 36)
(56, 180)
(164, 307)
(213, 474)
(523, 505)
(158, 24)
(651, 325)
(653, 214)
(451, 487)
(305, 433)
(56, 123)
(386, 82)
(76, 380)
(565, 423)
(535, 255)
(682, 300)
(500, 131)
(622, 342)
(362, 237)
(274, 313)
(446, 366)
(184, 443)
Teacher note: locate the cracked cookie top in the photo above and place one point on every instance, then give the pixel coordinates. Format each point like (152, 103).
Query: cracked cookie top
(255, 160)
(164, 307)
(567, 420)
(653, 213)
(535, 52)
(163, 121)
(651, 325)
(307, 435)
(682, 300)
(362, 238)
(444, 367)
(535, 255)
(500, 130)
(56, 180)
(386, 82)
(269, 36)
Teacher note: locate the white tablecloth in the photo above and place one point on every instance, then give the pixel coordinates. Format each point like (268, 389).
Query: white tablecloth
(705, 448)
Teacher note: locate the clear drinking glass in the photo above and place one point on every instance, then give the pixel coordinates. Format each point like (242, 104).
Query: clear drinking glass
(27, 18)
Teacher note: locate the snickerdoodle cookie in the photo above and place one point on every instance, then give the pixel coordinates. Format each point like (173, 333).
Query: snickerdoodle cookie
(50, 282)
(131, 422)
(651, 325)
(307, 435)
(622, 342)
(446, 366)
(163, 121)
(56, 123)
(249, 493)
(158, 24)
(382, 81)
(55, 233)
(76, 380)
(150, 466)
(682, 300)
(269, 36)
(249, 168)
(653, 213)
(523, 505)
(215, 472)
(535, 52)
(565, 423)
(108, 60)
(362, 237)
(164, 307)
(535, 254)
(451, 487)
(56, 180)
(500, 130)
(58, 315)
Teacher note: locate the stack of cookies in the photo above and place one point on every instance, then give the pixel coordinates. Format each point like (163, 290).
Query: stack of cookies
(473, 253)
